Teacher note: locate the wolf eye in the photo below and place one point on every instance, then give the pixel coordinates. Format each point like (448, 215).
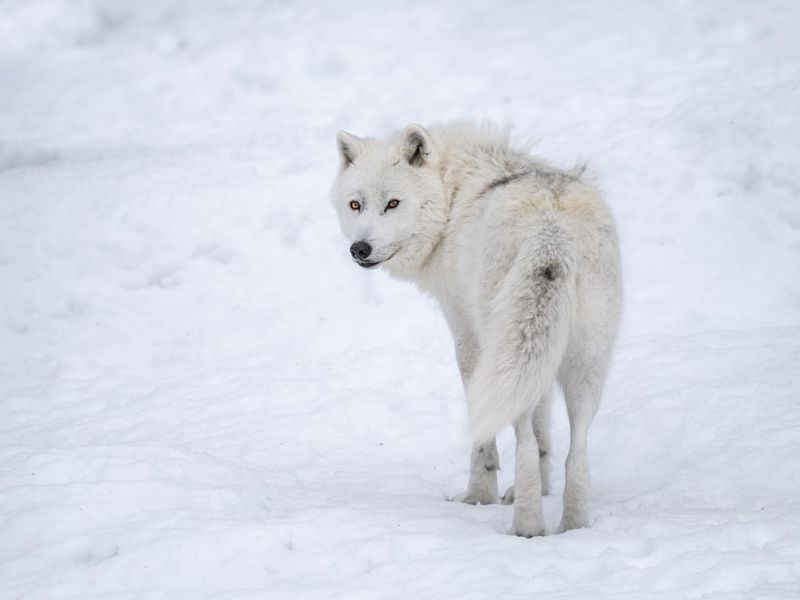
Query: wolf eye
(355, 205)
(392, 204)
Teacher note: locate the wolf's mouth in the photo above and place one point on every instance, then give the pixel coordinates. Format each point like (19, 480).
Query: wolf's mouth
(372, 264)
(368, 265)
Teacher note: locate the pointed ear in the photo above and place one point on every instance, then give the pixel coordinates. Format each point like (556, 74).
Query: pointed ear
(417, 147)
(349, 148)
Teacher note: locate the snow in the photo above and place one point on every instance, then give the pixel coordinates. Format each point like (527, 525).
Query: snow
(203, 398)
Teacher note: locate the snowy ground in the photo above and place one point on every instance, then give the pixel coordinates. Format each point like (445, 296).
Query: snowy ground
(202, 397)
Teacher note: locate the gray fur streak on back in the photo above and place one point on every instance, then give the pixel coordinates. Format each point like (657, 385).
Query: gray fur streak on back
(508, 179)
(552, 178)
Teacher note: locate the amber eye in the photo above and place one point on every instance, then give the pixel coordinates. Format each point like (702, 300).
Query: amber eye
(392, 204)
(355, 205)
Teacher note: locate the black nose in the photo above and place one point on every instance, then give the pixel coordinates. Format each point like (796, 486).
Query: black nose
(360, 250)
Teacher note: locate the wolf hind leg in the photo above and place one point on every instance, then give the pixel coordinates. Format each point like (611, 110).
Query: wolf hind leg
(483, 466)
(582, 377)
(528, 516)
(541, 429)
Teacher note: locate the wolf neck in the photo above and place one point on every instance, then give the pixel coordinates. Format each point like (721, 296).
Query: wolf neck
(434, 230)
(424, 272)
(430, 238)
(470, 156)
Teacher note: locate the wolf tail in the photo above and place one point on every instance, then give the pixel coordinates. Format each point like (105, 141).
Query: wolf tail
(525, 332)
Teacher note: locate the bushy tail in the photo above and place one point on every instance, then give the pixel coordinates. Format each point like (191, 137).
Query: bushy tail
(525, 333)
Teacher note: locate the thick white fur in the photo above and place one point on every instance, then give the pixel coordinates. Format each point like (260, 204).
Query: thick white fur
(523, 259)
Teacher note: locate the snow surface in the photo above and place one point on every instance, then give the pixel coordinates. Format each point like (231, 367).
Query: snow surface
(202, 397)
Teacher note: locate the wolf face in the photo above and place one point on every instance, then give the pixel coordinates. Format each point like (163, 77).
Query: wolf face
(390, 199)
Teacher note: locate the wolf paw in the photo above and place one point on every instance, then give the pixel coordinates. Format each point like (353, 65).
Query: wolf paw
(572, 521)
(475, 497)
(527, 528)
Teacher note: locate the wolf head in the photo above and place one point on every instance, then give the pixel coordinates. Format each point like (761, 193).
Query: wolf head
(390, 199)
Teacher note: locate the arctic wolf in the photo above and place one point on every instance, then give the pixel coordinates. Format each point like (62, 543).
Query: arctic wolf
(523, 259)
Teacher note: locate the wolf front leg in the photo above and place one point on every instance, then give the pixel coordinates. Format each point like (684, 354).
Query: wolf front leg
(483, 465)
(528, 516)
(484, 462)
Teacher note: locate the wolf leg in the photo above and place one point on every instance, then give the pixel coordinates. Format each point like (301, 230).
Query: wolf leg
(484, 462)
(541, 429)
(528, 517)
(483, 466)
(582, 379)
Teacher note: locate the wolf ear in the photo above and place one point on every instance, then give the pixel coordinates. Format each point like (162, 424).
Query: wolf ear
(349, 148)
(417, 147)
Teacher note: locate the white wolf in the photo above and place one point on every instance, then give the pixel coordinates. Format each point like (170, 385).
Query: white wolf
(523, 259)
